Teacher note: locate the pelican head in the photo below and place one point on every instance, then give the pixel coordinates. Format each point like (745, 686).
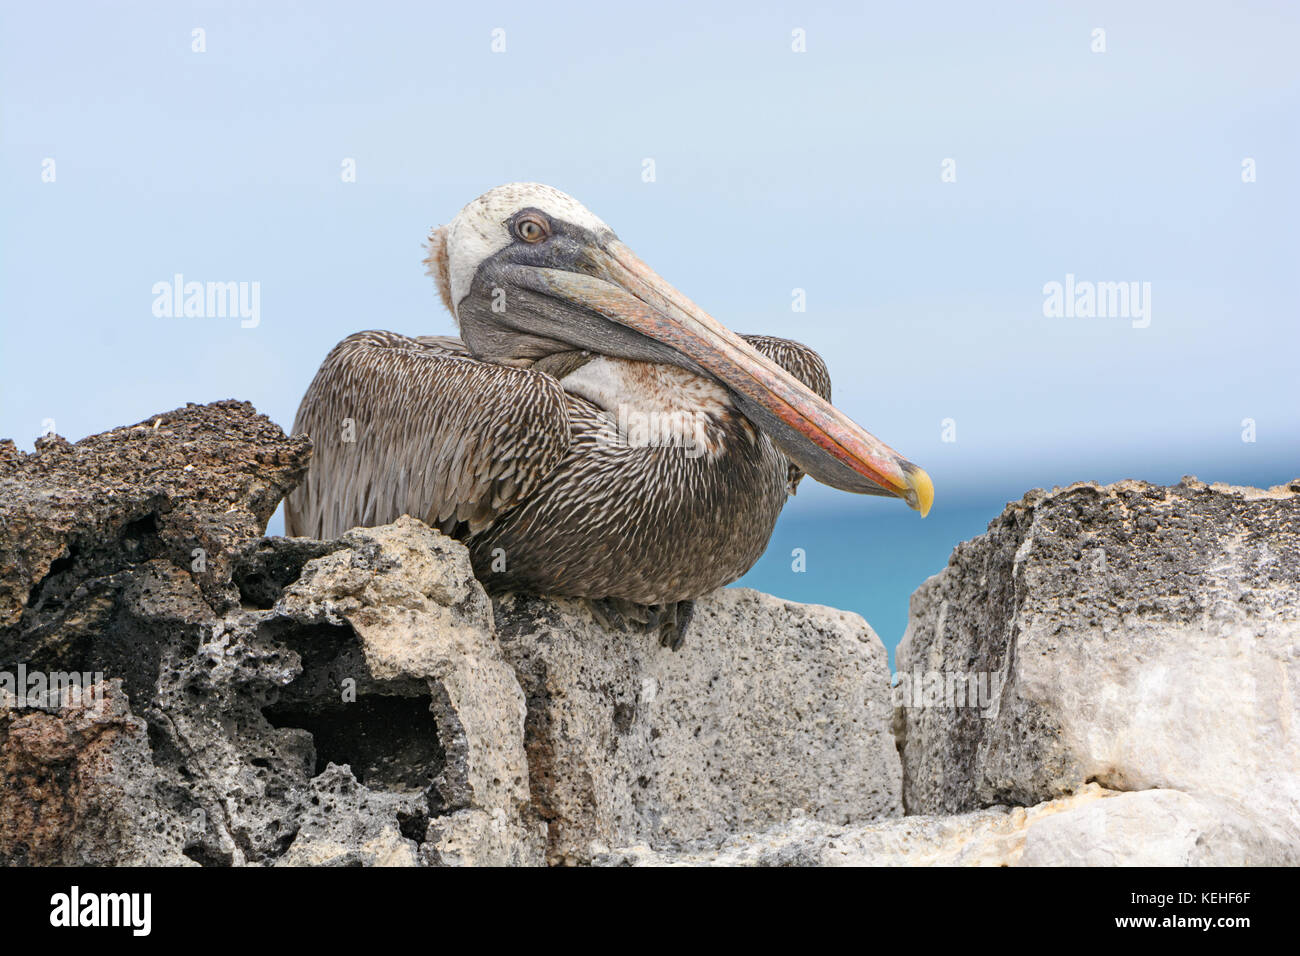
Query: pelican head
(528, 272)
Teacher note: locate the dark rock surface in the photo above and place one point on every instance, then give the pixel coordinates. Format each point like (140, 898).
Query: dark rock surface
(200, 478)
(229, 728)
(118, 556)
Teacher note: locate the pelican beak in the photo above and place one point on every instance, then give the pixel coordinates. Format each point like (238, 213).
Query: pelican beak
(823, 441)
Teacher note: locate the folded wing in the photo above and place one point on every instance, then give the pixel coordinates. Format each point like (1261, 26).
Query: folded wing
(416, 426)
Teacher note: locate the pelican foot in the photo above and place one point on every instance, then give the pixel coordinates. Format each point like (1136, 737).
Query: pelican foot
(613, 613)
(669, 621)
(672, 620)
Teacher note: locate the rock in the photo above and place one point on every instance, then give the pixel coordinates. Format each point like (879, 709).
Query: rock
(346, 824)
(424, 623)
(1095, 827)
(280, 701)
(479, 838)
(199, 478)
(117, 558)
(1155, 828)
(769, 707)
(76, 786)
(1141, 637)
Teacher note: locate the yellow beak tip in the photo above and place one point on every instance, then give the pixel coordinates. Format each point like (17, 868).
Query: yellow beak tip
(921, 493)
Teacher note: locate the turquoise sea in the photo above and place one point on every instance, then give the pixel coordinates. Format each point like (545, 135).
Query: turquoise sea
(867, 558)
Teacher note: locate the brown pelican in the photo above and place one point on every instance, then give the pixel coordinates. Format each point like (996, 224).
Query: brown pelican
(592, 432)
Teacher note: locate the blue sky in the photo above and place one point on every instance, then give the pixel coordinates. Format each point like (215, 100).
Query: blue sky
(775, 170)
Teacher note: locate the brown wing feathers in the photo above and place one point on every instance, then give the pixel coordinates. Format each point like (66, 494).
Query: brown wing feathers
(406, 426)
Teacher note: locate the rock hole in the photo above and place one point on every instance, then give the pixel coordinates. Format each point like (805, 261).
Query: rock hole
(271, 565)
(205, 855)
(140, 540)
(414, 826)
(57, 567)
(624, 715)
(391, 743)
(141, 528)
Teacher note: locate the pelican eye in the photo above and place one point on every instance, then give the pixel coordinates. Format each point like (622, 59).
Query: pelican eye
(532, 228)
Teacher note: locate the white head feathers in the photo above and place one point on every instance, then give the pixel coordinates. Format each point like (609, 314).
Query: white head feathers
(457, 249)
